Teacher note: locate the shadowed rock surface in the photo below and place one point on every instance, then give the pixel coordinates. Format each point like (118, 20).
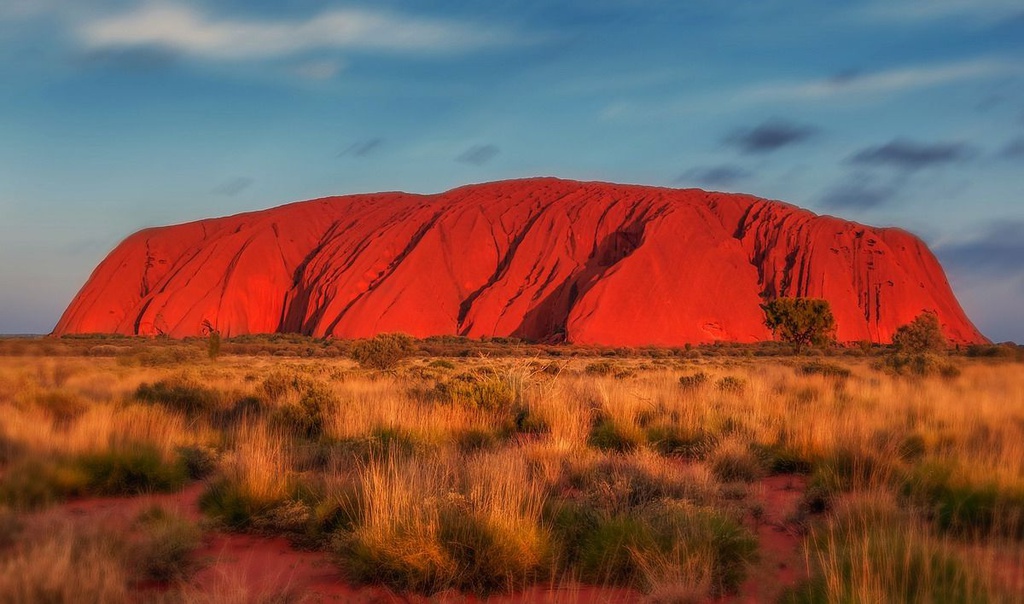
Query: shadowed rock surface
(540, 259)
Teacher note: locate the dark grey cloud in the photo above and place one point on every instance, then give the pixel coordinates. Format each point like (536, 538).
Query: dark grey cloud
(478, 155)
(1000, 249)
(861, 190)
(361, 148)
(770, 136)
(233, 187)
(1013, 149)
(722, 175)
(909, 155)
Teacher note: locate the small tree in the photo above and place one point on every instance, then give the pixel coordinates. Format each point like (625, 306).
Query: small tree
(383, 351)
(923, 334)
(800, 321)
(213, 340)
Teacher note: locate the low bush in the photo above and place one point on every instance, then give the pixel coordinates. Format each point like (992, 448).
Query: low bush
(822, 368)
(164, 550)
(308, 416)
(731, 385)
(959, 506)
(182, 394)
(694, 380)
(664, 542)
(671, 440)
(131, 470)
(870, 551)
(488, 392)
(383, 352)
(736, 462)
(608, 436)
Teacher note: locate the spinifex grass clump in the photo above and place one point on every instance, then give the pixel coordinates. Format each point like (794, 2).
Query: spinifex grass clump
(870, 550)
(429, 525)
(256, 476)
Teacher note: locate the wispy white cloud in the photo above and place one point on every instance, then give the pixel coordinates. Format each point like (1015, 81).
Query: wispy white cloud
(881, 82)
(189, 31)
(853, 87)
(985, 11)
(324, 69)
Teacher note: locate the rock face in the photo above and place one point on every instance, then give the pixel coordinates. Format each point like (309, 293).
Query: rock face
(539, 259)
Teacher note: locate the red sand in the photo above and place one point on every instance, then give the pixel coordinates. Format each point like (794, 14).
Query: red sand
(541, 259)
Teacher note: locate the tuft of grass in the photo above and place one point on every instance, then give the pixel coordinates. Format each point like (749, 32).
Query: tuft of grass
(182, 394)
(663, 543)
(871, 551)
(826, 369)
(734, 461)
(63, 564)
(164, 550)
(425, 528)
(609, 436)
(694, 380)
(131, 470)
(961, 506)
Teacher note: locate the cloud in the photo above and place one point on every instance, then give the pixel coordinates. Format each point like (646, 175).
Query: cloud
(325, 69)
(362, 148)
(770, 136)
(999, 249)
(909, 155)
(723, 175)
(856, 83)
(478, 155)
(230, 188)
(985, 11)
(861, 190)
(186, 30)
(1013, 149)
(137, 59)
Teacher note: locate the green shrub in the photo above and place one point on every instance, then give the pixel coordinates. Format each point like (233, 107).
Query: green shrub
(309, 416)
(884, 550)
(920, 336)
(918, 365)
(731, 385)
(62, 407)
(475, 439)
(673, 441)
(607, 436)
(736, 464)
(230, 505)
(632, 550)
(694, 380)
(778, 458)
(599, 368)
(37, 482)
(180, 394)
(131, 470)
(825, 369)
(199, 461)
(384, 351)
(961, 507)
(488, 392)
(164, 550)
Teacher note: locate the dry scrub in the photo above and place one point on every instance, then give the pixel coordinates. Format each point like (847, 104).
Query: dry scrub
(489, 475)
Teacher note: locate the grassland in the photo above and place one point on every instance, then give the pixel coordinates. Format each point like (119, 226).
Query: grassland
(485, 468)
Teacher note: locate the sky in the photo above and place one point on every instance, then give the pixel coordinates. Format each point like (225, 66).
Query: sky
(121, 114)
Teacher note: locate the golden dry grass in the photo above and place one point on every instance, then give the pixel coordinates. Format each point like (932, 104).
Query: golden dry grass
(403, 473)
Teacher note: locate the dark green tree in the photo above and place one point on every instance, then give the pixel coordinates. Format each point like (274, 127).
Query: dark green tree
(800, 321)
(923, 334)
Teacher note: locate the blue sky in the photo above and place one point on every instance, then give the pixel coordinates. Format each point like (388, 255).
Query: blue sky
(118, 114)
